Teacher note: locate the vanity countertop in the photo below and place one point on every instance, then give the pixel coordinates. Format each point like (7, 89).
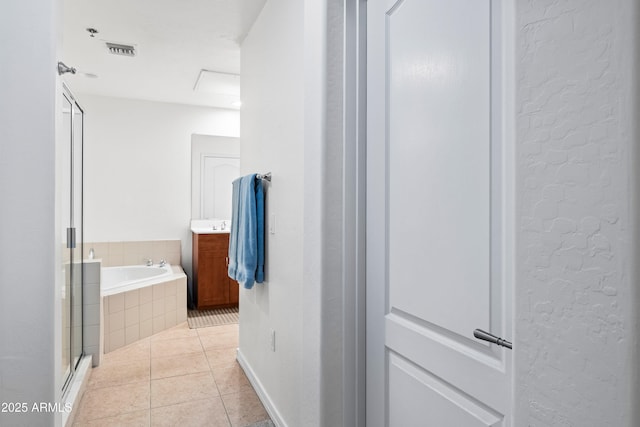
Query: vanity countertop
(200, 230)
(210, 226)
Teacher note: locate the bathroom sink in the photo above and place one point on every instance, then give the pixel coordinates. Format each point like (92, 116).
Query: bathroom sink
(210, 226)
(200, 230)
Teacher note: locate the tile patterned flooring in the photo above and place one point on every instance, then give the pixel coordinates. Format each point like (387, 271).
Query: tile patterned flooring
(181, 376)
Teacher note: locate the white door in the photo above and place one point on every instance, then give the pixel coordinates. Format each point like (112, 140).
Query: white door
(439, 213)
(218, 174)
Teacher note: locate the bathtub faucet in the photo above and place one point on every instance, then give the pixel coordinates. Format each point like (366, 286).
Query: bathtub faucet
(162, 263)
(149, 262)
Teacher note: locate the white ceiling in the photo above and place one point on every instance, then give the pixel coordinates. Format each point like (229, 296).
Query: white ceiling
(174, 39)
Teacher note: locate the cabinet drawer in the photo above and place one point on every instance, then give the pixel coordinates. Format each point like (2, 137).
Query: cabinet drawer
(218, 244)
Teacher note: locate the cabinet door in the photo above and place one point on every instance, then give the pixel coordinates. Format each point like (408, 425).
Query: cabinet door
(213, 282)
(213, 286)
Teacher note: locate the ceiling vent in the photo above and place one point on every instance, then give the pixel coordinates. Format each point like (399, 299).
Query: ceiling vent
(121, 49)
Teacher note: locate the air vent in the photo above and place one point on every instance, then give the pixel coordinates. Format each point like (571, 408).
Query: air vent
(121, 49)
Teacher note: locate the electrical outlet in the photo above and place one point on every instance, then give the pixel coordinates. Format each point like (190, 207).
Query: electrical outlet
(272, 340)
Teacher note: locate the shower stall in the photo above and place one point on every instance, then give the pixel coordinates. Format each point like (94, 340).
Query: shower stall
(71, 224)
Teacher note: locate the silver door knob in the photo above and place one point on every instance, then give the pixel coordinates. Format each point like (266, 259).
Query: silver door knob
(486, 336)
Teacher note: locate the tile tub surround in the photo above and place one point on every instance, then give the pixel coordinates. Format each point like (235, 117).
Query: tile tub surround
(86, 295)
(140, 313)
(92, 312)
(133, 253)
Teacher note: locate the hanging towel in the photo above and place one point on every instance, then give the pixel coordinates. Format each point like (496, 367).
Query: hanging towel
(260, 224)
(233, 233)
(246, 239)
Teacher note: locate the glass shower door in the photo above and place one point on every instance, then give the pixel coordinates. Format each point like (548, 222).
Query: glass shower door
(77, 225)
(72, 227)
(65, 295)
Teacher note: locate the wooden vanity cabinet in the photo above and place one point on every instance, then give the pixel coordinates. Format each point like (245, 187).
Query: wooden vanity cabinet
(212, 287)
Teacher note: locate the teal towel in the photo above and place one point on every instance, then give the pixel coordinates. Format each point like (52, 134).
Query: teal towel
(246, 239)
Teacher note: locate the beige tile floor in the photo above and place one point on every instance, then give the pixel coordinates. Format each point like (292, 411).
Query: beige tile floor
(182, 376)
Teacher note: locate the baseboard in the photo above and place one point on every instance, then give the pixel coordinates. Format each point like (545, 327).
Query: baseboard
(260, 391)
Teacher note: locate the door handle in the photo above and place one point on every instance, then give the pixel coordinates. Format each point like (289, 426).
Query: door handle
(486, 336)
(71, 238)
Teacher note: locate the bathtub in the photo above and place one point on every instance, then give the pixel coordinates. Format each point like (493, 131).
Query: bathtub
(130, 277)
(139, 301)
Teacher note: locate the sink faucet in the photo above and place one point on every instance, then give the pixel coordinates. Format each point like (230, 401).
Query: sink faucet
(149, 262)
(162, 263)
(224, 225)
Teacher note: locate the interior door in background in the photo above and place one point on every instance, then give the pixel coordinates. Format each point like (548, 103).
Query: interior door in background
(217, 175)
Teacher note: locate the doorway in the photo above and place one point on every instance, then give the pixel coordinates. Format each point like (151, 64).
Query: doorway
(215, 164)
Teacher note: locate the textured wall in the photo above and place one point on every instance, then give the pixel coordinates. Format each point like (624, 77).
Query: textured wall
(574, 132)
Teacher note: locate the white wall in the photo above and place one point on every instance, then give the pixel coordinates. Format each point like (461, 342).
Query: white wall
(138, 167)
(575, 287)
(29, 239)
(297, 123)
(273, 139)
